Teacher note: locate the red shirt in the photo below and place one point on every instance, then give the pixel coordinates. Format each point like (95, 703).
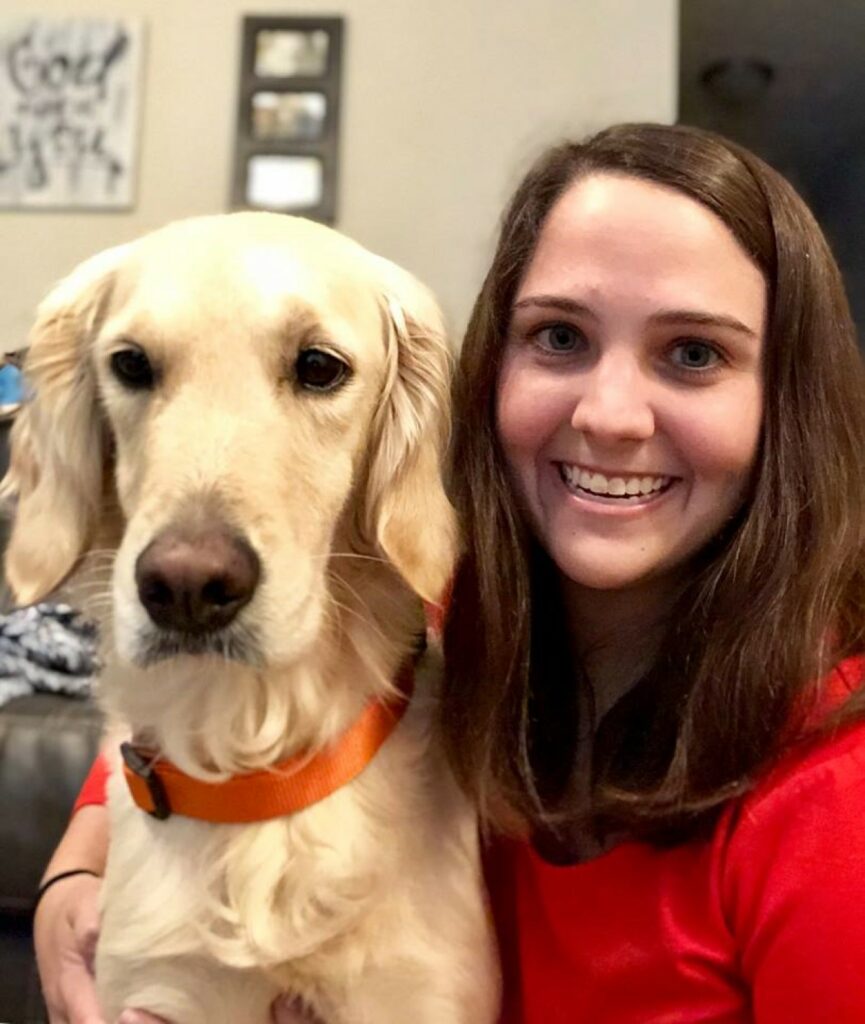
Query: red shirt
(764, 922)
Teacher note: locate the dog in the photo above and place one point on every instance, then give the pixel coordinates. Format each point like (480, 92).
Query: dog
(233, 452)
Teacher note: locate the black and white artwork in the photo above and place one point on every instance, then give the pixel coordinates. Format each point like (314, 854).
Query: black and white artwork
(69, 111)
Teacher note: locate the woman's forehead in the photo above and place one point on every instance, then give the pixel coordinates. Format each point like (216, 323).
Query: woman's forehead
(611, 236)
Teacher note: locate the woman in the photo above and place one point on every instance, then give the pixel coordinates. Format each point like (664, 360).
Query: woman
(658, 463)
(659, 466)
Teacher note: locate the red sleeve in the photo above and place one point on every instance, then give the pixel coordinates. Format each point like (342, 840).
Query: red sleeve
(93, 791)
(795, 888)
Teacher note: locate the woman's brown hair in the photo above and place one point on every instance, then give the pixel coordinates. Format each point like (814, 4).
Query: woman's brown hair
(771, 605)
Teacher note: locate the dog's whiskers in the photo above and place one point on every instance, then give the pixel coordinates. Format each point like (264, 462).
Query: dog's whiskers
(92, 594)
(94, 554)
(370, 625)
(342, 582)
(331, 556)
(93, 582)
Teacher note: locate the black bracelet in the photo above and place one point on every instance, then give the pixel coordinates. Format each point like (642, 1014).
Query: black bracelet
(59, 878)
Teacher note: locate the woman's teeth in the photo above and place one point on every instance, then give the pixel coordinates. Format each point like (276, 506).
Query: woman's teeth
(612, 486)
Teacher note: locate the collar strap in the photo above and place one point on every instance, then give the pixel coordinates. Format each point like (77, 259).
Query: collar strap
(160, 788)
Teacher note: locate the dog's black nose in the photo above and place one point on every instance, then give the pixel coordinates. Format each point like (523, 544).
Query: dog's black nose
(196, 582)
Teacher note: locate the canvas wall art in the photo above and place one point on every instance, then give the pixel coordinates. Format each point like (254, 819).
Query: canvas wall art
(69, 105)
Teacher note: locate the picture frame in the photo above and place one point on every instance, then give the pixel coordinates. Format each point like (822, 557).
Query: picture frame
(286, 148)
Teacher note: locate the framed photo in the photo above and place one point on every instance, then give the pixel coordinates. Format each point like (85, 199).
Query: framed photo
(286, 151)
(291, 53)
(69, 100)
(288, 115)
(276, 182)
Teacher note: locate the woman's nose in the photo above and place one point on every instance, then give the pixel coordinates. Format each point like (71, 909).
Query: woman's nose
(613, 402)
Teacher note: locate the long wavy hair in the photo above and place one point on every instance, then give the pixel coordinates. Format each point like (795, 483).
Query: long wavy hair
(771, 604)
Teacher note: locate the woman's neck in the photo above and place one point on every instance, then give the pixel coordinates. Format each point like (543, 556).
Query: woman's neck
(615, 634)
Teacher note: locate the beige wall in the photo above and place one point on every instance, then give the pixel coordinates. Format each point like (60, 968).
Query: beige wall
(444, 103)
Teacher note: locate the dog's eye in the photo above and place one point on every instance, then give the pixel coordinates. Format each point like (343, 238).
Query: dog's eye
(318, 370)
(132, 368)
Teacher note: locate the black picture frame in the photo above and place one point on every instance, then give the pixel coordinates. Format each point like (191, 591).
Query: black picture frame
(298, 150)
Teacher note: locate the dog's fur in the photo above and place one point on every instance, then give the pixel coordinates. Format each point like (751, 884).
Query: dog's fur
(369, 904)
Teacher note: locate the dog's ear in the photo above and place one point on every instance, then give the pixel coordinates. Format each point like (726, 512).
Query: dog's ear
(56, 468)
(407, 512)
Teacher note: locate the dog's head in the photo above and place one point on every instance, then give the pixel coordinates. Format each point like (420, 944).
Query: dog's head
(231, 396)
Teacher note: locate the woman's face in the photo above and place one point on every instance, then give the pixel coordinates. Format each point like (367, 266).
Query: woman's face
(630, 399)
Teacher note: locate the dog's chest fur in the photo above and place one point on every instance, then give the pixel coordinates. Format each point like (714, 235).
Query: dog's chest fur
(325, 902)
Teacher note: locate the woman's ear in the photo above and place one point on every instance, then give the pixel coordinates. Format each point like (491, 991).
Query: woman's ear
(407, 512)
(56, 457)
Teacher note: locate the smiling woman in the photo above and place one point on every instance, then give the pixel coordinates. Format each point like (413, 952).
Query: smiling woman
(658, 467)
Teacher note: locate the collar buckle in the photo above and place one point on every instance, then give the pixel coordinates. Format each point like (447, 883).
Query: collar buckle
(145, 770)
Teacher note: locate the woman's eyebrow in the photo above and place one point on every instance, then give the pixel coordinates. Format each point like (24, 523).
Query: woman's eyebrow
(559, 302)
(700, 319)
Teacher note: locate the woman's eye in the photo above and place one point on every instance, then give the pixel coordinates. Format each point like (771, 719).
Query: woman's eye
(695, 355)
(561, 338)
(317, 370)
(132, 369)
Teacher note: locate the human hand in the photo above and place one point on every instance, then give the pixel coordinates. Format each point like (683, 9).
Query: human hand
(65, 930)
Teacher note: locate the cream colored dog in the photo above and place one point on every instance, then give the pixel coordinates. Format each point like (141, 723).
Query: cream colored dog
(234, 447)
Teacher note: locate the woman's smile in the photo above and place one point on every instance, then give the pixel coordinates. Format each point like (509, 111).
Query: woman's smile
(614, 487)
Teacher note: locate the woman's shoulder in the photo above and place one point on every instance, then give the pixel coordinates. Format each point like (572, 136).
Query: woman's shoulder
(803, 824)
(828, 759)
(792, 860)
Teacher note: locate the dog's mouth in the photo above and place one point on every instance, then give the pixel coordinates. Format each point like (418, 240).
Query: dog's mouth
(235, 645)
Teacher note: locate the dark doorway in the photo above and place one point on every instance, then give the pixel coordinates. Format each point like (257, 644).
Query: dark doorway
(787, 79)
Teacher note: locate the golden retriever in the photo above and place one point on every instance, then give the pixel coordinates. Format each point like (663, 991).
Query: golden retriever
(234, 446)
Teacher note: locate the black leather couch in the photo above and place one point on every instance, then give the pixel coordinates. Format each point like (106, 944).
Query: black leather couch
(47, 744)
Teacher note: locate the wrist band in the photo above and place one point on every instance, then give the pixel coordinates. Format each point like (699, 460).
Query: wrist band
(59, 878)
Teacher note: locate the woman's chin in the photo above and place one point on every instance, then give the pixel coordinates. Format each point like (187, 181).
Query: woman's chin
(609, 574)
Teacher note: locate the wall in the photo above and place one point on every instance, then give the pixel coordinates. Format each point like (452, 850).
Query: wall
(444, 104)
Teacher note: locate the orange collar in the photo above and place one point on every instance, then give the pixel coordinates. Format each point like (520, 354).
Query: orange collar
(160, 788)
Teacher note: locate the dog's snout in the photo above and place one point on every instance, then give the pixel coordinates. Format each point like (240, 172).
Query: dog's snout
(196, 583)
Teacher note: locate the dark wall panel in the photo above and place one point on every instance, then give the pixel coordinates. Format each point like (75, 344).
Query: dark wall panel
(787, 79)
